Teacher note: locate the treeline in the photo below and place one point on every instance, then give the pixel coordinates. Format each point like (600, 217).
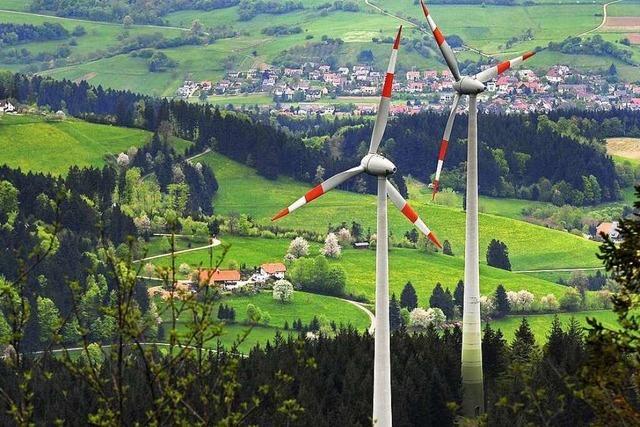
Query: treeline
(595, 45)
(517, 158)
(12, 34)
(250, 8)
(116, 10)
(526, 382)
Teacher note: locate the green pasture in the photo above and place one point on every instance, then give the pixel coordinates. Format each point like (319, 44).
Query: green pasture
(530, 246)
(304, 306)
(32, 143)
(541, 323)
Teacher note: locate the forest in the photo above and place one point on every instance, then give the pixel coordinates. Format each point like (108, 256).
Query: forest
(141, 12)
(12, 34)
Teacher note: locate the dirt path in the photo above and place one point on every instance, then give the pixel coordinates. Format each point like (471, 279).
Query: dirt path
(362, 307)
(604, 19)
(215, 243)
(558, 270)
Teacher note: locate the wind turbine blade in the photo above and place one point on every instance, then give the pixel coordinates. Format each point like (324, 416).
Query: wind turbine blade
(493, 72)
(411, 214)
(319, 190)
(385, 99)
(446, 50)
(444, 144)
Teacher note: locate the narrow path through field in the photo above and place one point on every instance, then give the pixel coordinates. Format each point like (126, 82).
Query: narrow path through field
(361, 306)
(558, 270)
(215, 243)
(604, 19)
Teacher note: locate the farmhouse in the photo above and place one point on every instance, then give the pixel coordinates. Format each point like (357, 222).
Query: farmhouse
(275, 269)
(223, 277)
(609, 229)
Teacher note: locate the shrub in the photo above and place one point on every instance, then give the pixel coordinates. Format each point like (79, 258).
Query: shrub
(184, 268)
(521, 300)
(549, 302)
(331, 247)
(570, 301)
(487, 307)
(420, 318)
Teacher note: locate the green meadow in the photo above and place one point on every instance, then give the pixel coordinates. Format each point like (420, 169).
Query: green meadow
(304, 307)
(33, 143)
(530, 246)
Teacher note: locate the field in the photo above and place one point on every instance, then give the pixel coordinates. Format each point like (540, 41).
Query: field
(627, 148)
(423, 270)
(530, 246)
(541, 323)
(304, 307)
(53, 146)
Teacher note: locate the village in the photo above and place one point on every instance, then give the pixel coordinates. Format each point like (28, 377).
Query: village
(319, 89)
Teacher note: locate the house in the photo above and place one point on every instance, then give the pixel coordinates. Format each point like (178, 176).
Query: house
(360, 245)
(224, 277)
(609, 229)
(413, 76)
(274, 269)
(6, 107)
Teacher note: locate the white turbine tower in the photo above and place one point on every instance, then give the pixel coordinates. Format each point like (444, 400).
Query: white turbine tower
(472, 381)
(376, 165)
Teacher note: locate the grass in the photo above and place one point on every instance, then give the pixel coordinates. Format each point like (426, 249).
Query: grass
(34, 144)
(304, 306)
(423, 270)
(530, 246)
(541, 323)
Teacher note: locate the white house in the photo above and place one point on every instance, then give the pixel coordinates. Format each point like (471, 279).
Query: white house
(6, 107)
(274, 269)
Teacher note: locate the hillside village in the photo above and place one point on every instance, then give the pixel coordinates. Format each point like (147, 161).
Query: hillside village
(522, 91)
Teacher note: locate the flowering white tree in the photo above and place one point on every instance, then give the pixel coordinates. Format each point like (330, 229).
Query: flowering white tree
(298, 247)
(521, 300)
(123, 160)
(420, 318)
(143, 224)
(149, 269)
(549, 302)
(331, 247)
(344, 237)
(283, 291)
(184, 268)
(487, 307)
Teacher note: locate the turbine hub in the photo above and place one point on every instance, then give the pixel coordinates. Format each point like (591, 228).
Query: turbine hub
(469, 86)
(377, 165)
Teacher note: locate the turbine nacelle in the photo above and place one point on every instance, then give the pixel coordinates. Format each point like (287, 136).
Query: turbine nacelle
(469, 86)
(377, 165)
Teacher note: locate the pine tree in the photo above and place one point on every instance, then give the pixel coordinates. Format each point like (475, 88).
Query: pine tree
(523, 347)
(442, 300)
(494, 353)
(395, 319)
(498, 255)
(408, 297)
(446, 248)
(501, 302)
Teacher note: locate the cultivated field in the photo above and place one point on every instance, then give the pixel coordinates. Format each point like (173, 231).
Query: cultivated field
(627, 148)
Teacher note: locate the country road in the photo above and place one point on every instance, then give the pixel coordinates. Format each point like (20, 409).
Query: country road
(559, 270)
(604, 19)
(215, 243)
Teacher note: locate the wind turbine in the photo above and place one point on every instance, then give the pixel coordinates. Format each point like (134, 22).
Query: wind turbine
(472, 381)
(377, 165)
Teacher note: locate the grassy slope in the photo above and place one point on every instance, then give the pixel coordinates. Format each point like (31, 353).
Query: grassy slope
(31, 143)
(304, 307)
(423, 270)
(531, 247)
(541, 323)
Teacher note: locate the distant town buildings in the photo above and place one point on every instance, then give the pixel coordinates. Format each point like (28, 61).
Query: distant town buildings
(519, 91)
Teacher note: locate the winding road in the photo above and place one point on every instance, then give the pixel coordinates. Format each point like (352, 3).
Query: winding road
(604, 18)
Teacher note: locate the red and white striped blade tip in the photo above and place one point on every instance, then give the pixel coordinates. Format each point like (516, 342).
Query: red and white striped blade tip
(528, 55)
(434, 239)
(283, 212)
(396, 43)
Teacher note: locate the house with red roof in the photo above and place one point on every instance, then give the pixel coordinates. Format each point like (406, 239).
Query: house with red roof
(273, 269)
(217, 276)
